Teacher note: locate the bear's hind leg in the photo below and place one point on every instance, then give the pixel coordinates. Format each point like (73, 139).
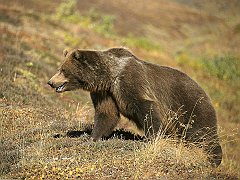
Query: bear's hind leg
(210, 142)
(214, 151)
(106, 115)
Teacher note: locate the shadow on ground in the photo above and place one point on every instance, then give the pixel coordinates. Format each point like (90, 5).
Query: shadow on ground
(120, 134)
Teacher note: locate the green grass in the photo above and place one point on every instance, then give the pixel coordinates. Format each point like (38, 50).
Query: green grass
(186, 60)
(102, 24)
(72, 41)
(67, 11)
(141, 42)
(224, 67)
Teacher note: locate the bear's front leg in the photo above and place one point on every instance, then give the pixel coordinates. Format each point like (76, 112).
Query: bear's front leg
(106, 115)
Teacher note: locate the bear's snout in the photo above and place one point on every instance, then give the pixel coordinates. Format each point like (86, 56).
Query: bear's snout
(59, 82)
(50, 83)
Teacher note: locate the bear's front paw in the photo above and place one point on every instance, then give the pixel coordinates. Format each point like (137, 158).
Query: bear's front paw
(92, 139)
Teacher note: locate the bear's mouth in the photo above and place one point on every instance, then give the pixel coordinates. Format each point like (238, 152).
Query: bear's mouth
(60, 88)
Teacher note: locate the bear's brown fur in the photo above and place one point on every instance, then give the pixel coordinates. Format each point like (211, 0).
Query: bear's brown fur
(158, 99)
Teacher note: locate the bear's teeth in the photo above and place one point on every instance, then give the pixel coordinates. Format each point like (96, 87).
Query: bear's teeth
(60, 88)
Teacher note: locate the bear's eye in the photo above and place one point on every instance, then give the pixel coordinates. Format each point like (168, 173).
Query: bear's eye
(78, 55)
(63, 71)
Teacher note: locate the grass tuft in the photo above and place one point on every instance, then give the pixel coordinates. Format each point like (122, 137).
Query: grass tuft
(224, 67)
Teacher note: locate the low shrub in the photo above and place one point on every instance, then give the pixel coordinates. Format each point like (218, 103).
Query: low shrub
(224, 67)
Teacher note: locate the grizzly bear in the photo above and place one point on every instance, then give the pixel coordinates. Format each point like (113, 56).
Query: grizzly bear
(158, 99)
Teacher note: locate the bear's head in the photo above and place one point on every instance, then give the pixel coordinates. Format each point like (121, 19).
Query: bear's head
(83, 69)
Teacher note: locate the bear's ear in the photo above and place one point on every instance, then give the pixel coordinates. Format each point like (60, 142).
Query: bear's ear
(77, 54)
(65, 52)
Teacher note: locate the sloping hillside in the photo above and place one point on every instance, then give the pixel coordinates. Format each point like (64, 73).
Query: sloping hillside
(176, 26)
(38, 126)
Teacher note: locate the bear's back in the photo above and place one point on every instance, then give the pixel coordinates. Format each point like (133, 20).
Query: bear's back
(175, 90)
(172, 81)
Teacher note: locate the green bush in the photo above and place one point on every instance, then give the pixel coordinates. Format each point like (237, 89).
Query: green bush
(141, 42)
(184, 59)
(224, 67)
(103, 24)
(67, 10)
(106, 25)
(70, 40)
